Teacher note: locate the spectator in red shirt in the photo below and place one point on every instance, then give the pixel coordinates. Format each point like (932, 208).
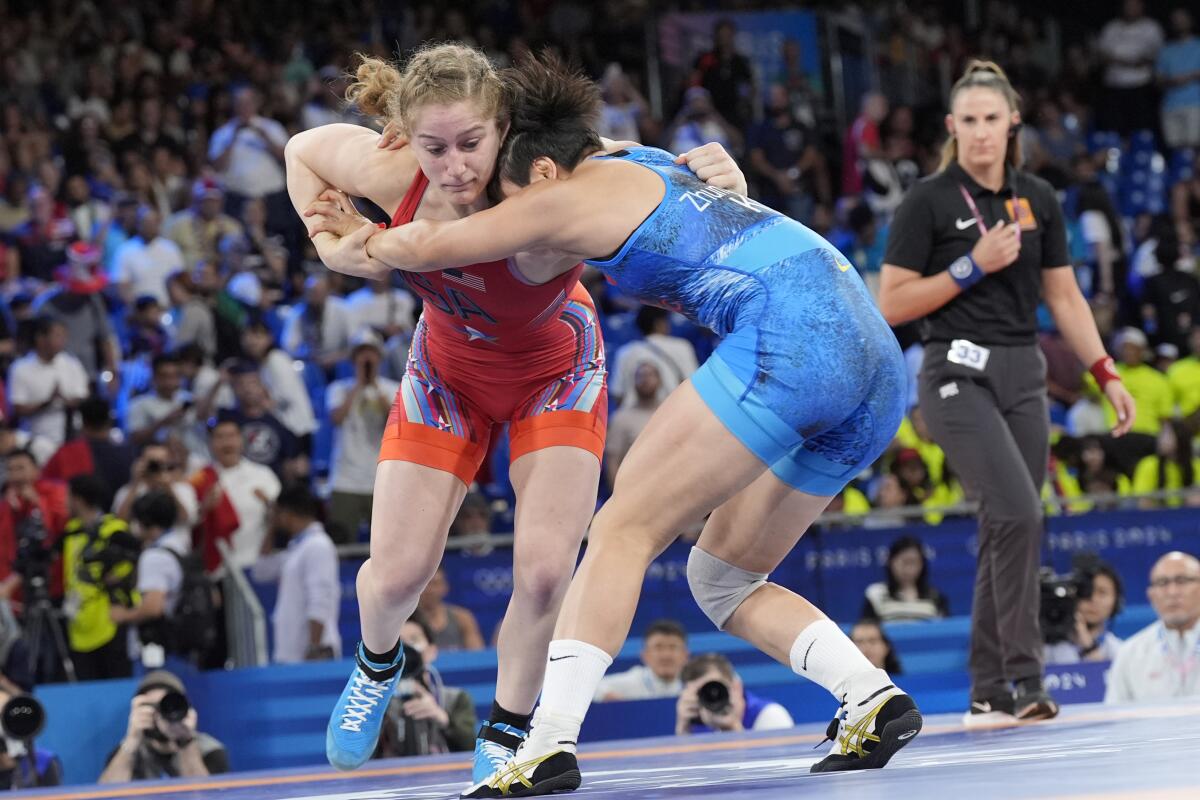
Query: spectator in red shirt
(30, 507)
(99, 451)
(863, 142)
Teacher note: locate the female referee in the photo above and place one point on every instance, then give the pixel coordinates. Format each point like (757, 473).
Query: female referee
(970, 251)
(806, 387)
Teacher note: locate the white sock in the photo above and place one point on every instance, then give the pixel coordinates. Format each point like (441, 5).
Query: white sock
(573, 674)
(827, 657)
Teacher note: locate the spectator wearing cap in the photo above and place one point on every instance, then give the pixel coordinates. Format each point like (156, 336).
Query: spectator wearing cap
(100, 450)
(1151, 395)
(198, 229)
(46, 385)
(358, 409)
(76, 302)
(305, 618)
(156, 747)
(143, 264)
(318, 329)
(192, 319)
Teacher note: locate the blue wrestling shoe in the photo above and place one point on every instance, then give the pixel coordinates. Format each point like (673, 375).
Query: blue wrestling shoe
(494, 746)
(357, 718)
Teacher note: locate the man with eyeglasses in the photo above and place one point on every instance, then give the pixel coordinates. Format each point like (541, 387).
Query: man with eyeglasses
(1163, 660)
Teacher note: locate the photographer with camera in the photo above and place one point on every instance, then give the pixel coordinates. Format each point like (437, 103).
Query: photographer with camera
(161, 740)
(713, 699)
(22, 765)
(157, 469)
(99, 562)
(33, 513)
(424, 715)
(1076, 612)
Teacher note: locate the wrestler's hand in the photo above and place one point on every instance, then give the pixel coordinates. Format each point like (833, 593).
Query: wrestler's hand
(392, 138)
(348, 254)
(713, 165)
(333, 212)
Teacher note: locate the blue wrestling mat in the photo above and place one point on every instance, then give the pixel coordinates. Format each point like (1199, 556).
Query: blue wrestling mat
(1091, 751)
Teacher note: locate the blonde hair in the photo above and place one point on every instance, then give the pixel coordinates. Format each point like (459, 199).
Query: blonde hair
(984, 75)
(435, 74)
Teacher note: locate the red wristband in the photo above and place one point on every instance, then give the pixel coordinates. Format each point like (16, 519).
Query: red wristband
(1104, 371)
(381, 225)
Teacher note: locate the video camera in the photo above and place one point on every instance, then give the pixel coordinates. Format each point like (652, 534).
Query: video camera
(1061, 595)
(33, 557)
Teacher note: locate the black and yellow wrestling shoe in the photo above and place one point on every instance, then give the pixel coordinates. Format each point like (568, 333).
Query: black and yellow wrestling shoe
(549, 773)
(866, 733)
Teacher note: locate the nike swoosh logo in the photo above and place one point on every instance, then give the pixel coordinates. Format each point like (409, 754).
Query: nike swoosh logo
(804, 665)
(963, 224)
(560, 658)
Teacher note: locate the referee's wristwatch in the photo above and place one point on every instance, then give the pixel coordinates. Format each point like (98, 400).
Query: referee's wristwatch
(965, 272)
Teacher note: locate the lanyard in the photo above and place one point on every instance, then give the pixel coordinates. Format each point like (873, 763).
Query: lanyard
(979, 217)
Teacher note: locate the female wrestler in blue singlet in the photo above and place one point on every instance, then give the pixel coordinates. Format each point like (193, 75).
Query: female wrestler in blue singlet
(806, 388)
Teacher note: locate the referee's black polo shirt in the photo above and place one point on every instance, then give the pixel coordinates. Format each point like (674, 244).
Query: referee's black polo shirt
(934, 225)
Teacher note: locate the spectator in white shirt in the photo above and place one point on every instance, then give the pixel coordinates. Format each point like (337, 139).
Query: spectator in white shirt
(164, 409)
(383, 308)
(247, 151)
(358, 410)
(250, 489)
(289, 396)
(674, 356)
(305, 619)
(1129, 46)
(165, 540)
(1162, 661)
(319, 328)
(664, 652)
(46, 385)
(157, 470)
(142, 265)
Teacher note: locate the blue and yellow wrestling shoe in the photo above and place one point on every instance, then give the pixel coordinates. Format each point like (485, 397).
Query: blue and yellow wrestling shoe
(357, 718)
(495, 744)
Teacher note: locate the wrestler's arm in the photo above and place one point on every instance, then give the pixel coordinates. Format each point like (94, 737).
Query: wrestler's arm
(346, 157)
(562, 215)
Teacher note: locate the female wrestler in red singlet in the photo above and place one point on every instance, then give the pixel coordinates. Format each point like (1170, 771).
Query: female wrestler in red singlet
(498, 342)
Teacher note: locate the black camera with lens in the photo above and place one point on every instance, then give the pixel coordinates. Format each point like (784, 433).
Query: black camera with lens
(1061, 595)
(33, 558)
(21, 719)
(714, 697)
(174, 707)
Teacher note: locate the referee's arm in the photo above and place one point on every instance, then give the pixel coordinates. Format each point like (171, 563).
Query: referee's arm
(905, 295)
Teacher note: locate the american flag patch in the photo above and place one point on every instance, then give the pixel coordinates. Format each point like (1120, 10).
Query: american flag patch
(465, 279)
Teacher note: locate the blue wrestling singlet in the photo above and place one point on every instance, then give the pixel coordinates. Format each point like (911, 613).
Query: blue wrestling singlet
(808, 374)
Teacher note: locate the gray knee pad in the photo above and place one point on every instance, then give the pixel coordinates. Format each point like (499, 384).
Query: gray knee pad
(719, 587)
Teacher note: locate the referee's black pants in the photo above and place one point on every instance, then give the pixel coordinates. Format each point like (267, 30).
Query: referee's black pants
(993, 424)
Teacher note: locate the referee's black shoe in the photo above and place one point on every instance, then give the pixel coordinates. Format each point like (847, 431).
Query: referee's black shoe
(1032, 702)
(867, 732)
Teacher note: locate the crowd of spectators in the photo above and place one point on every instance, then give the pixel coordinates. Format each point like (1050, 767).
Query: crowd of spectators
(166, 328)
